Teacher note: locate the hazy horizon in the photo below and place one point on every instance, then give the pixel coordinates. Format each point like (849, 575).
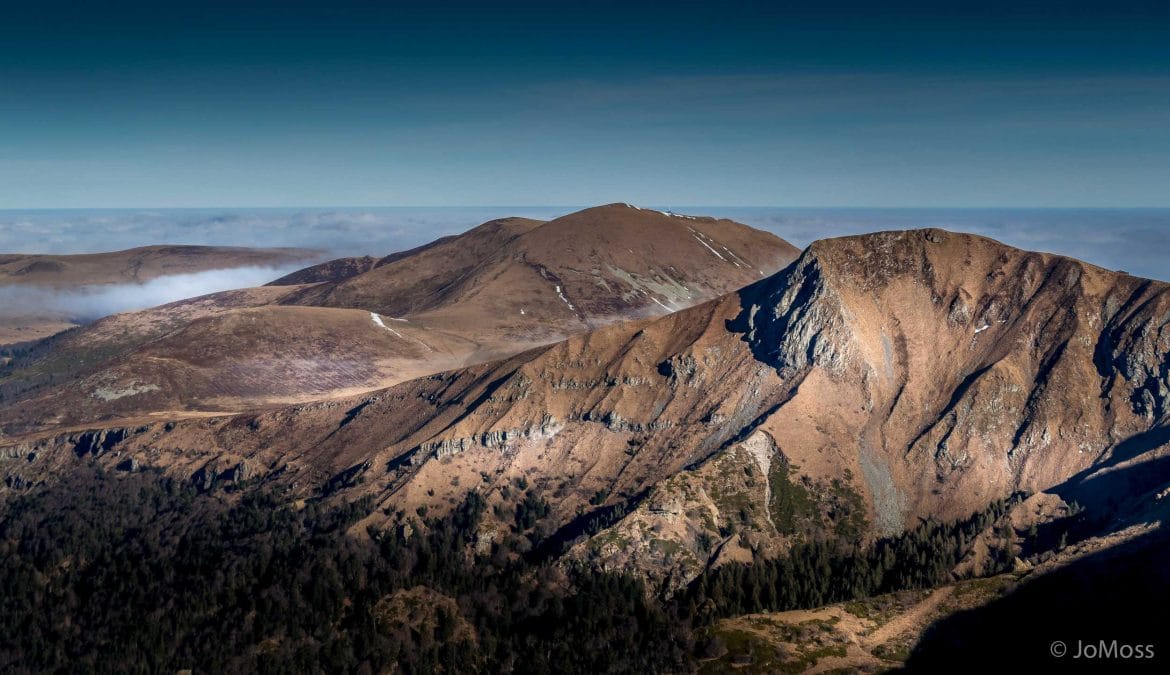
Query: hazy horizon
(1136, 240)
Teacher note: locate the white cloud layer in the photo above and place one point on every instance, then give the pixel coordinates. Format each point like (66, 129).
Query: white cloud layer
(357, 231)
(93, 302)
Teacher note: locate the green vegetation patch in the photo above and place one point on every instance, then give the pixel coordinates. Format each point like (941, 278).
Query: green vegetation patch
(791, 502)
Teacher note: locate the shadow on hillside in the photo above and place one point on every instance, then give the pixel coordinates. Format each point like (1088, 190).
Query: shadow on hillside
(1105, 492)
(1120, 594)
(1101, 499)
(757, 322)
(1096, 491)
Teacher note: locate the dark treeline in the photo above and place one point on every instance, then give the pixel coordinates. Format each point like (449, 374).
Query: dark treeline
(15, 357)
(823, 572)
(139, 573)
(11, 353)
(136, 572)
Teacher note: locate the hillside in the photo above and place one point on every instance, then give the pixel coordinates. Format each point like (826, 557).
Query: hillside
(876, 381)
(501, 288)
(137, 265)
(524, 280)
(330, 270)
(890, 413)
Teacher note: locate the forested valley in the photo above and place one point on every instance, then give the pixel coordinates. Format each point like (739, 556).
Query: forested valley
(138, 572)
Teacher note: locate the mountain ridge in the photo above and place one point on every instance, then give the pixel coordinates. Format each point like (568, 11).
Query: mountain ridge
(483, 295)
(876, 380)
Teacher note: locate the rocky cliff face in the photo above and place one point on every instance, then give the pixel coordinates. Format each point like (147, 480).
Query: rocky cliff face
(931, 373)
(875, 381)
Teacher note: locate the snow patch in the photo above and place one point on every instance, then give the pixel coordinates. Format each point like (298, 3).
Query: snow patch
(566, 300)
(982, 328)
(660, 304)
(378, 320)
(708, 246)
(739, 262)
(678, 215)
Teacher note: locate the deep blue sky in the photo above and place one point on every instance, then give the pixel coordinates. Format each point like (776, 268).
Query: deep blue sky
(108, 104)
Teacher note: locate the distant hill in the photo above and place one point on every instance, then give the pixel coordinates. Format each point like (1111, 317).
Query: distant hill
(137, 265)
(331, 270)
(352, 325)
(63, 273)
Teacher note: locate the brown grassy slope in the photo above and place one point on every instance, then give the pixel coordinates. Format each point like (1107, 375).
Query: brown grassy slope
(137, 264)
(330, 270)
(336, 352)
(400, 286)
(470, 299)
(609, 262)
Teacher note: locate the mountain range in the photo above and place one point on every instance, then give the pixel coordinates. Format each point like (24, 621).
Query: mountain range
(347, 326)
(673, 395)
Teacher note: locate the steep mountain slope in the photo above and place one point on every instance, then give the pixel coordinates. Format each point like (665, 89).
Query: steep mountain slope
(876, 381)
(932, 373)
(503, 287)
(942, 370)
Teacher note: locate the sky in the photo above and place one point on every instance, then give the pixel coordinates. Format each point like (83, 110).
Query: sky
(293, 104)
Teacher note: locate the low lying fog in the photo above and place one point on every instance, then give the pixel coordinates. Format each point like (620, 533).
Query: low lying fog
(93, 302)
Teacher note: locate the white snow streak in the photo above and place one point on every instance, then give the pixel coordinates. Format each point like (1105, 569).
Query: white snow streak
(378, 320)
(698, 239)
(981, 329)
(678, 215)
(738, 260)
(660, 304)
(566, 300)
